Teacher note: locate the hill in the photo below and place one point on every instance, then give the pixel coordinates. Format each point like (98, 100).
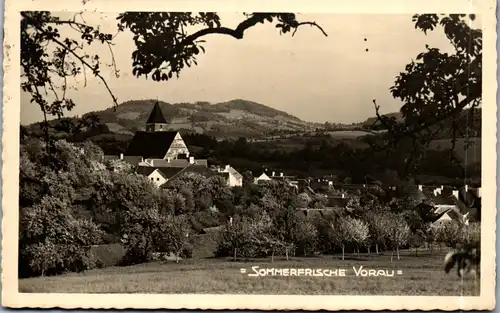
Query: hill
(230, 119)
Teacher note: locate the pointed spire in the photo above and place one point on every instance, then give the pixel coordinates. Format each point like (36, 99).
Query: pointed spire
(156, 116)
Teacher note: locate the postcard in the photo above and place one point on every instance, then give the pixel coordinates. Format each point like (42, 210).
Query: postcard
(270, 156)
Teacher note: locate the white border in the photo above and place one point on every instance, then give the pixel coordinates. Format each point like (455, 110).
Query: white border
(10, 156)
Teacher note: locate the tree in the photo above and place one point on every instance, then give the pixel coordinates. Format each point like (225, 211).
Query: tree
(178, 48)
(306, 236)
(378, 229)
(48, 61)
(247, 178)
(398, 233)
(303, 200)
(53, 240)
(452, 234)
(339, 234)
(357, 231)
(233, 238)
(173, 234)
(436, 88)
(263, 237)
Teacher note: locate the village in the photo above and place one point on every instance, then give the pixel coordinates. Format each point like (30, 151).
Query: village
(163, 156)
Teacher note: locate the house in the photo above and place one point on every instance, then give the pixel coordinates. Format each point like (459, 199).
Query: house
(193, 168)
(288, 180)
(262, 178)
(451, 215)
(158, 175)
(440, 197)
(447, 204)
(232, 176)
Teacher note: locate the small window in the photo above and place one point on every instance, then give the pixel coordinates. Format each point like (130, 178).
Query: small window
(157, 179)
(161, 126)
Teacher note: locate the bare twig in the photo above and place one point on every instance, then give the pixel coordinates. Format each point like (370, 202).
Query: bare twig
(80, 58)
(311, 24)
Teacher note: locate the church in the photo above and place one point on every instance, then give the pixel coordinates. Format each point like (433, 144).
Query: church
(157, 142)
(162, 155)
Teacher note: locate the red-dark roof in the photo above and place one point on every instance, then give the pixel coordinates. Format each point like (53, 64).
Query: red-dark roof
(167, 172)
(156, 116)
(193, 168)
(223, 174)
(152, 145)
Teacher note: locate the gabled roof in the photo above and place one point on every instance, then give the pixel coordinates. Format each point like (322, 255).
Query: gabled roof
(234, 172)
(166, 172)
(193, 168)
(263, 176)
(152, 145)
(156, 116)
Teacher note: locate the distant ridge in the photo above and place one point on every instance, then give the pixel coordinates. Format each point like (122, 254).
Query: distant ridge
(234, 118)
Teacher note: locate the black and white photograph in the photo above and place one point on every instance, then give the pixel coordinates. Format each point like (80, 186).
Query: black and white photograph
(229, 153)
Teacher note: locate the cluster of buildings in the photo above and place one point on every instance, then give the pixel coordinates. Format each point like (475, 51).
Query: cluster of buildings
(162, 156)
(443, 203)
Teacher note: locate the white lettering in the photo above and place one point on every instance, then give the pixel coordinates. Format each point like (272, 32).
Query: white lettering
(357, 272)
(255, 270)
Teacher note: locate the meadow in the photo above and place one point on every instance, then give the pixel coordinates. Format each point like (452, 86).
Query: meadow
(422, 274)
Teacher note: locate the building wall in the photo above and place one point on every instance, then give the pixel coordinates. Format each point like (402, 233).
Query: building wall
(157, 178)
(177, 147)
(233, 181)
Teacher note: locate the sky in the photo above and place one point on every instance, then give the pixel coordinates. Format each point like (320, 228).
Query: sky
(313, 77)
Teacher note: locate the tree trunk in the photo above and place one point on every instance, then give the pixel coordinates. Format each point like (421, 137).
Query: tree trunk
(343, 253)
(234, 256)
(177, 257)
(305, 252)
(416, 251)
(286, 253)
(272, 256)
(368, 249)
(397, 251)
(392, 255)
(376, 248)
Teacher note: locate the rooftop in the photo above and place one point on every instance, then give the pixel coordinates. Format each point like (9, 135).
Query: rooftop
(150, 145)
(156, 116)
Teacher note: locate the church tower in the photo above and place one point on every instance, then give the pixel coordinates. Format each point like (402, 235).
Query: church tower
(156, 121)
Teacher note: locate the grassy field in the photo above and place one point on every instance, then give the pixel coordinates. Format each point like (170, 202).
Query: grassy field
(421, 275)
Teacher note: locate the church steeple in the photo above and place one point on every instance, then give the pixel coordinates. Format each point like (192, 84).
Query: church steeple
(156, 120)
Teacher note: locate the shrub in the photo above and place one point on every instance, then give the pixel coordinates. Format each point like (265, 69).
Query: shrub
(52, 240)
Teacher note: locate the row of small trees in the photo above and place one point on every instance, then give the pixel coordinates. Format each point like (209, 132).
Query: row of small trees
(258, 237)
